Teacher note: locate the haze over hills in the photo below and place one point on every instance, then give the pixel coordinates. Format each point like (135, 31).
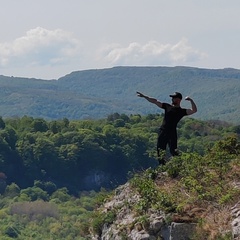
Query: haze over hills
(99, 93)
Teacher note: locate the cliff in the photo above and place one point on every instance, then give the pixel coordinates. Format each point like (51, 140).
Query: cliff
(191, 197)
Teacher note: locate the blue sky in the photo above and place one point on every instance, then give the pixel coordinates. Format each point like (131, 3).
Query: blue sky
(48, 39)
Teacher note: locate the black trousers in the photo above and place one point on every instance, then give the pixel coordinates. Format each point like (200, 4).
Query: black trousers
(167, 138)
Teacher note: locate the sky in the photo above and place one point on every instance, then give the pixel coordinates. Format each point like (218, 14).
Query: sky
(49, 39)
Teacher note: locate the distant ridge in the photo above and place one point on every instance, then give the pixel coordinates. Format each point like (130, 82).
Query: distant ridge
(91, 94)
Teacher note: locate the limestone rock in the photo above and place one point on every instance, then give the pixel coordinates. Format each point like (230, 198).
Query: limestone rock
(235, 212)
(128, 225)
(181, 231)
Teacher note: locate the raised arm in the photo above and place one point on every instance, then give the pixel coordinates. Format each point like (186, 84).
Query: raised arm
(150, 99)
(193, 108)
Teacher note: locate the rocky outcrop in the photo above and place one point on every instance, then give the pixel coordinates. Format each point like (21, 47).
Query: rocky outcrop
(95, 179)
(128, 225)
(235, 212)
(154, 224)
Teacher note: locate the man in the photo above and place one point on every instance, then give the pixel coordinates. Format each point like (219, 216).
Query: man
(168, 131)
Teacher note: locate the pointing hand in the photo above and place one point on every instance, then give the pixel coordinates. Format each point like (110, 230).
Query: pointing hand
(140, 94)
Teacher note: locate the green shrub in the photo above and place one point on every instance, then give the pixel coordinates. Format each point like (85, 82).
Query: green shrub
(35, 193)
(151, 195)
(99, 219)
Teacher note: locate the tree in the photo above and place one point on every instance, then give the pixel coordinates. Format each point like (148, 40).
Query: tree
(39, 125)
(55, 127)
(35, 193)
(3, 183)
(12, 190)
(113, 117)
(45, 155)
(2, 123)
(10, 136)
(61, 194)
(47, 186)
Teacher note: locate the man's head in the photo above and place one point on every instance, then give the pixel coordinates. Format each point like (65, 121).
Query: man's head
(176, 98)
(176, 95)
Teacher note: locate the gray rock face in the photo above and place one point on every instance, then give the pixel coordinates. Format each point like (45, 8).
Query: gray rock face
(176, 231)
(95, 179)
(235, 212)
(129, 226)
(153, 225)
(181, 231)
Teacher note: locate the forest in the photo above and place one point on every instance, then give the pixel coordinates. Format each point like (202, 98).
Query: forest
(72, 153)
(97, 93)
(54, 173)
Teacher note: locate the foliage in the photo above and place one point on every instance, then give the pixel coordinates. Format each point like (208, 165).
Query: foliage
(45, 168)
(12, 190)
(73, 154)
(35, 193)
(150, 194)
(99, 219)
(95, 94)
(55, 219)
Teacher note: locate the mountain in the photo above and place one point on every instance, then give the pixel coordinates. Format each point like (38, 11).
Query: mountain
(98, 93)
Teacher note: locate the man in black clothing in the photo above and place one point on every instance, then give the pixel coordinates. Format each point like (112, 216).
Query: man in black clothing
(168, 130)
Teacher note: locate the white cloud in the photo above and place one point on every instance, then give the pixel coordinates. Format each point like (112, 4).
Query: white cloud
(151, 53)
(39, 46)
(51, 51)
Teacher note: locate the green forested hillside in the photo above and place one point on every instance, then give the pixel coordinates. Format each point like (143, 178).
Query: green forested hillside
(90, 154)
(94, 94)
(46, 166)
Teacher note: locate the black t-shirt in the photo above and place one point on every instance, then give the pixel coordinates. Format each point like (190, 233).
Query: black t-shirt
(172, 116)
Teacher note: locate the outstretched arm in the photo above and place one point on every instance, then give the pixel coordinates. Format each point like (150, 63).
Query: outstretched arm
(150, 99)
(194, 107)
